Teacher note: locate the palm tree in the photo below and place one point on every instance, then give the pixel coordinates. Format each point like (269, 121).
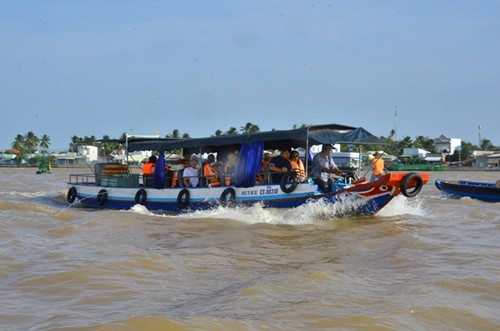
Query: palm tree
(107, 146)
(175, 134)
(19, 143)
(45, 142)
(90, 141)
(424, 143)
(486, 145)
(75, 141)
(31, 141)
(232, 131)
(250, 128)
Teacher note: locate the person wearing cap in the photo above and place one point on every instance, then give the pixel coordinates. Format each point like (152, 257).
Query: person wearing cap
(323, 164)
(211, 171)
(190, 174)
(280, 164)
(378, 165)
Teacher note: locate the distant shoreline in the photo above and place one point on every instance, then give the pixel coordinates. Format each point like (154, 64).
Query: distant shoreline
(83, 166)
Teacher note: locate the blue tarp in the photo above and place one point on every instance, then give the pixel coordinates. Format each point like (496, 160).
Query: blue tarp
(249, 163)
(160, 171)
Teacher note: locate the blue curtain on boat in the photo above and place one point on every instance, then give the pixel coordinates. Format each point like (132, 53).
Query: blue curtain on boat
(160, 171)
(249, 162)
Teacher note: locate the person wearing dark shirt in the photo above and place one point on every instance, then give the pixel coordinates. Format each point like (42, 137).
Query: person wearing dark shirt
(280, 164)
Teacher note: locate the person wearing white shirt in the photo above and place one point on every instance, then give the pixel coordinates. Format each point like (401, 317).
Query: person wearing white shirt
(322, 166)
(190, 176)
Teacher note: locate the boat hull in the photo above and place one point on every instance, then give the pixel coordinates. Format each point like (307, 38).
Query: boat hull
(476, 190)
(359, 199)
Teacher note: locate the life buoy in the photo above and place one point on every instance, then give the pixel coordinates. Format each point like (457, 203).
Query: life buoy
(183, 198)
(102, 197)
(115, 169)
(412, 176)
(71, 195)
(228, 196)
(288, 182)
(141, 196)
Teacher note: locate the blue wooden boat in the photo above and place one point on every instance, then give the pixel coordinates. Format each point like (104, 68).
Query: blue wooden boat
(472, 189)
(119, 188)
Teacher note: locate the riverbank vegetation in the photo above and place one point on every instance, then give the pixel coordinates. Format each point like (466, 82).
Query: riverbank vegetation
(29, 144)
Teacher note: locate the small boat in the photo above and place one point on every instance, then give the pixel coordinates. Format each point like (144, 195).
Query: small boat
(465, 188)
(118, 188)
(416, 167)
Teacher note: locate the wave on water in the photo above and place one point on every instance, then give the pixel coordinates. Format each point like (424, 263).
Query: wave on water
(402, 205)
(52, 202)
(313, 212)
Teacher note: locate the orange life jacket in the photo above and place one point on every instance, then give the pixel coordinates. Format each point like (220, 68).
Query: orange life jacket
(175, 179)
(147, 168)
(228, 172)
(378, 166)
(298, 167)
(212, 175)
(263, 169)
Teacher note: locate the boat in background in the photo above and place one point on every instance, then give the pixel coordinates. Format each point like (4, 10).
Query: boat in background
(117, 187)
(416, 167)
(44, 166)
(465, 188)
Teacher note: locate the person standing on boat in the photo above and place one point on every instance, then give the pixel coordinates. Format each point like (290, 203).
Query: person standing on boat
(280, 164)
(378, 166)
(324, 164)
(190, 174)
(149, 167)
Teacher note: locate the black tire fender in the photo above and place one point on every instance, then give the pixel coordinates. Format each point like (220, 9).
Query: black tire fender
(102, 197)
(228, 196)
(412, 176)
(183, 198)
(288, 182)
(141, 196)
(71, 194)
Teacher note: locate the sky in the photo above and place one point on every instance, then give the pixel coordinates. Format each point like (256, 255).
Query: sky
(94, 68)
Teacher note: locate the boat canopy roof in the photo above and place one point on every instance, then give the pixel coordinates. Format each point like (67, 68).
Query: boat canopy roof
(301, 137)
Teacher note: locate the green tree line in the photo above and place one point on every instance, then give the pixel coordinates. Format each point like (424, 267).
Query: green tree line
(24, 145)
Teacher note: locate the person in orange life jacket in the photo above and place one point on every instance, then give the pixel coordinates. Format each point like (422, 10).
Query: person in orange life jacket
(279, 165)
(378, 165)
(322, 166)
(176, 169)
(261, 177)
(149, 167)
(211, 171)
(297, 165)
